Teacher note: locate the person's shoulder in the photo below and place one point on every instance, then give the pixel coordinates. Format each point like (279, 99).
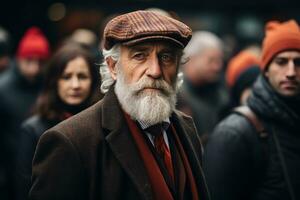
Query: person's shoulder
(185, 119)
(83, 123)
(234, 125)
(35, 125)
(5, 79)
(187, 123)
(32, 120)
(183, 115)
(235, 121)
(82, 131)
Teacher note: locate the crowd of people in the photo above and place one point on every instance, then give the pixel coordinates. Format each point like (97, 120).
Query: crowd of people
(152, 110)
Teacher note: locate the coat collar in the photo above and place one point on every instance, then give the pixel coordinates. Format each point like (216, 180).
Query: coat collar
(122, 144)
(190, 141)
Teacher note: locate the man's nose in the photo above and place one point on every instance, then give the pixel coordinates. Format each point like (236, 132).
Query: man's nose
(291, 71)
(154, 68)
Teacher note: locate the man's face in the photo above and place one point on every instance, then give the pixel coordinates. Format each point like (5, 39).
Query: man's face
(30, 68)
(155, 60)
(146, 80)
(283, 73)
(205, 67)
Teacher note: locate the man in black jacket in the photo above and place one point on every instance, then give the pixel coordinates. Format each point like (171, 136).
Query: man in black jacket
(239, 164)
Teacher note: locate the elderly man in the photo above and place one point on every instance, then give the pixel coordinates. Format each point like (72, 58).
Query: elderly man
(255, 153)
(132, 144)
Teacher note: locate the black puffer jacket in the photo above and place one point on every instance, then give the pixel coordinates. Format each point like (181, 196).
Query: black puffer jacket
(237, 163)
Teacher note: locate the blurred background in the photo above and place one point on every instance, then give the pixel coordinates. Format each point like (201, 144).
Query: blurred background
(238, 23)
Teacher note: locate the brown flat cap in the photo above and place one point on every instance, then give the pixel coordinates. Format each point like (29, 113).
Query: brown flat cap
(139, 26)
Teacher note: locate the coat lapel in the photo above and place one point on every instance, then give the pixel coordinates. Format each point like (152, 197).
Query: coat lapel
(190, 141)
(123, 146)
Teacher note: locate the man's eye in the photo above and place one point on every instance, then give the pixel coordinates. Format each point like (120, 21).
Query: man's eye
(297, 62)
(139, 56)
(167, 57)
(281, 61)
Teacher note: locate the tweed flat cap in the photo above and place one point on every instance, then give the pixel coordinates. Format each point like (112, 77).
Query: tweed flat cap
(140, 26)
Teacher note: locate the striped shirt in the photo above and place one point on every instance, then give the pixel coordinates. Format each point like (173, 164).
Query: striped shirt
(165, 125)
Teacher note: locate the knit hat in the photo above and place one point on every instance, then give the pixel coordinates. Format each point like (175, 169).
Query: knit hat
(239, 64)
(140, 26)
(279, 37)
(33, 44)
(245, 80)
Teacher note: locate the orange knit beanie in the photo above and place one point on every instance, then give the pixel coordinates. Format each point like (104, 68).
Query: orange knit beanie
(238, 64)
(279, 37)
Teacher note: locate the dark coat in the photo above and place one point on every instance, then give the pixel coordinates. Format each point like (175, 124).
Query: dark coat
(17, 96)
(92, 156)
(31, 130)
(238, 164)
(205, 104)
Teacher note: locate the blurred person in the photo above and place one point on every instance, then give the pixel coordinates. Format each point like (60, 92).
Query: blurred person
(19, 87)
(6, 185)
(71, 85)
(132, 144)
(256, 154)
(84, 36)
(241, 73)
(5, 50)
(87, 38)
(203, 95)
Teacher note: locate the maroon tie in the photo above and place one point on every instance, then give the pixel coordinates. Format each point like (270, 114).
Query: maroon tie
(162, 148)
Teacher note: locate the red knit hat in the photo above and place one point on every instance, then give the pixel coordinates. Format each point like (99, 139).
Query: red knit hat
(238, 64)
(33, 44)
(279, 37)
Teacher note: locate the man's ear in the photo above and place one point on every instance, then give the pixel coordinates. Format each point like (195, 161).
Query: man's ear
(112, 66)
(266, 72)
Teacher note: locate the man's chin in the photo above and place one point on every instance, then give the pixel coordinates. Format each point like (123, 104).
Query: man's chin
(289, 92)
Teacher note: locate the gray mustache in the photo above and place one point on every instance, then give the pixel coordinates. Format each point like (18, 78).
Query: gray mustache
(158, 84)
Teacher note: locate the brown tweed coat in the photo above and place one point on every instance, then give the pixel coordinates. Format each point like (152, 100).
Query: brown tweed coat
(92, 156)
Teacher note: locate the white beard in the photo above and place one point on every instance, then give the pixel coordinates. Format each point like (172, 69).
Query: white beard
(151, 107)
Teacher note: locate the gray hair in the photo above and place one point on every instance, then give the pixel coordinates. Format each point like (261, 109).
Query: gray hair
(202, 40)
(106, 78)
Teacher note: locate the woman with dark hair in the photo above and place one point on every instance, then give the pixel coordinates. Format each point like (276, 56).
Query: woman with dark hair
(71, 84)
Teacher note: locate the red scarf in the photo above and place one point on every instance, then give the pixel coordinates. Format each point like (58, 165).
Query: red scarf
(159, 186)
